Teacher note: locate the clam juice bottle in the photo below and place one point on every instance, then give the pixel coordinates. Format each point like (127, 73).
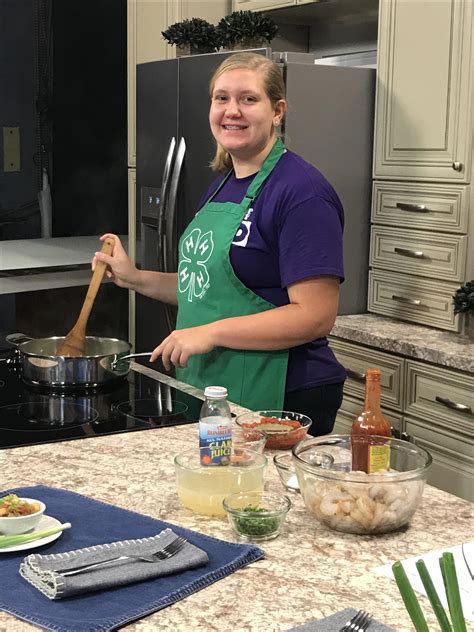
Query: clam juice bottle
(215, 427)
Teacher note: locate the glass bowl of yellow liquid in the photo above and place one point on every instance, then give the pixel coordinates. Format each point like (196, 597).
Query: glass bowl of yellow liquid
(202, 488)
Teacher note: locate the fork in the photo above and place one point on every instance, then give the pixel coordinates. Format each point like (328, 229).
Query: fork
(359, 622)
(166, 552)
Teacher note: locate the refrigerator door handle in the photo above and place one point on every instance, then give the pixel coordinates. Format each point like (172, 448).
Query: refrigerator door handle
(170, 247)
(160, 245)
(170, 263)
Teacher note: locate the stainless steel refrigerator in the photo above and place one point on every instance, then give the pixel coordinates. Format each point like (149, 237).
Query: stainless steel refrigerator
(329, 123)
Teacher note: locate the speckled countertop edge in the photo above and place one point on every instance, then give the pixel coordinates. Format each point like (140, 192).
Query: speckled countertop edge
(438, 347)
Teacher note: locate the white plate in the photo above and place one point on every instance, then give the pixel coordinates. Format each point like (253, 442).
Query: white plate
(46, 522)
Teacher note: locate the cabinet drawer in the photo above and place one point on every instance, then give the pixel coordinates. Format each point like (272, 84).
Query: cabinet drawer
(426, 207)
(441, 397)
(357, 359)
(453, 458)
(416, 299)
(349, 410)
(414, 252)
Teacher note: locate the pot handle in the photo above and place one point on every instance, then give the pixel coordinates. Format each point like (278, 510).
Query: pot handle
(114, 363)
(17, 339)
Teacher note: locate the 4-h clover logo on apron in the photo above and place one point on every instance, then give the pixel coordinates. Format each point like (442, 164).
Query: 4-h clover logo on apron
(193, 276)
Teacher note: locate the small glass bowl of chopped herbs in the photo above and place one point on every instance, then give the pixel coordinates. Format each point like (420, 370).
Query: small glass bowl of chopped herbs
(256, 516)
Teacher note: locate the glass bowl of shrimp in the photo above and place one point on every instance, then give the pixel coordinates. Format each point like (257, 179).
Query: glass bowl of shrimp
(356, 501)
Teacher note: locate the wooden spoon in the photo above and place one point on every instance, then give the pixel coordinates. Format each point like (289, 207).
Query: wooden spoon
(74, 343)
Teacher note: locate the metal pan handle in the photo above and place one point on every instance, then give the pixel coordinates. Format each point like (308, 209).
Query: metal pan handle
(118, 359)
(17, 339)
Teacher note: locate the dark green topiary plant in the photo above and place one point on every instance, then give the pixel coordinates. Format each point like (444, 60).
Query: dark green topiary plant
(245, 26)
(463, 299)
(196, 33)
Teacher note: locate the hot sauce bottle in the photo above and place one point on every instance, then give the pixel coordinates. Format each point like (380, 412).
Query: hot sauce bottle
(371, 455)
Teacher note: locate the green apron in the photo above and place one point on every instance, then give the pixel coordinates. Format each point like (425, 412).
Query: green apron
(208, 290)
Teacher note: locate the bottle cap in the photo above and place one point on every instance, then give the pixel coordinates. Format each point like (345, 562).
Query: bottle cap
(215, 392)
(373, 375)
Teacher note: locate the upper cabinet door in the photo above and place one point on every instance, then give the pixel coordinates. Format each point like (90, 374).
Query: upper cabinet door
(260, 5)
(145, 21)
(423, 108)
(210, 10)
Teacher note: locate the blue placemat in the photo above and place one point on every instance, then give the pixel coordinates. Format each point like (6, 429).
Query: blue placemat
(94, 522)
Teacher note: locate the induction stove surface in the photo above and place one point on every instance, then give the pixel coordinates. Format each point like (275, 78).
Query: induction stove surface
(31, 414)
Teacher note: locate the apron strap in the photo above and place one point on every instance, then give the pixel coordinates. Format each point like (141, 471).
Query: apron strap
(257, 183)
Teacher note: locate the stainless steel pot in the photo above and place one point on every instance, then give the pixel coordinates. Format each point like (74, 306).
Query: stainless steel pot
(101, 363)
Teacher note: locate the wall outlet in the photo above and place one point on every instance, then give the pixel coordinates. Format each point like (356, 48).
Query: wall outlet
(11, 149)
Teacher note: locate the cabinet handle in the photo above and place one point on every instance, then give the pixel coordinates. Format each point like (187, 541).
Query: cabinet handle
(417, 254)
(457, 166)
(359, 377)
(412, 208)
(404, 436)
(453, 405)
(404, 299)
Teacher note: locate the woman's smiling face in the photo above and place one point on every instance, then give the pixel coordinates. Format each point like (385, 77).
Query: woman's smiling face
(242, 117)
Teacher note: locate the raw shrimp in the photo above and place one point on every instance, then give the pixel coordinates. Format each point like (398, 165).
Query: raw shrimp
(330, 503)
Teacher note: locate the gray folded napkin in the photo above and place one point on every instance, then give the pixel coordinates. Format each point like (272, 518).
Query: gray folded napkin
(38, 569)
(336, 621)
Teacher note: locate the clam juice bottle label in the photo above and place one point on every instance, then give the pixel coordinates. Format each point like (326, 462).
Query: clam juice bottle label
(215, 427)
(215, 441)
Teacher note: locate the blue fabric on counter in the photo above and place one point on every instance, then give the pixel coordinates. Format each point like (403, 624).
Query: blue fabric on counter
(94, 522)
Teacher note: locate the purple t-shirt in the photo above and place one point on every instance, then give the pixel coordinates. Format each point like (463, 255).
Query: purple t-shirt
(294, 231)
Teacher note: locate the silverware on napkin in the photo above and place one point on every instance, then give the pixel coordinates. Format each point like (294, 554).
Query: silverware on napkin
(164, 553)
(45, 572)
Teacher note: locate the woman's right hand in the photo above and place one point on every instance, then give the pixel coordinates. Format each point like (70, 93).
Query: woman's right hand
(120, 269)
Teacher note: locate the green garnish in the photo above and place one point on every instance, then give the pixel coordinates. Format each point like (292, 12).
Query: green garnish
(448, 571)
(409, 598)
(14, 540)
(433, 597)
(255, 523)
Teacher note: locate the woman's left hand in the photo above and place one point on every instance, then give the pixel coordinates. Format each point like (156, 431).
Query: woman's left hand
(181, 344)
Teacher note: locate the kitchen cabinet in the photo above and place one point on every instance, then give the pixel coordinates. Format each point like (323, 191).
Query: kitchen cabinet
(260, 5)
(432, 406)
(423, 112)
(422, 235)
(267, 5)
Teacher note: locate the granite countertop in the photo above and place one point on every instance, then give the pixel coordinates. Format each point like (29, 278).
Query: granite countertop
(414, 341)
(308, 572)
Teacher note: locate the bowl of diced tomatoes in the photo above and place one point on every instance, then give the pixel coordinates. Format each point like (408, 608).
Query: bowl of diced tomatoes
(19, 515)
(283, 428)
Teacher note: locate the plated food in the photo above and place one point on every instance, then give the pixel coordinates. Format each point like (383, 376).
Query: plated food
(19, 515)
(12, 506)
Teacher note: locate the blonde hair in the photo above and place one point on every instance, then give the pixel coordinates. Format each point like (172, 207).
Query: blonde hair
(272, 82)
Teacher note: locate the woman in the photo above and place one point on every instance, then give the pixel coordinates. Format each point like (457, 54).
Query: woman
(260, 264)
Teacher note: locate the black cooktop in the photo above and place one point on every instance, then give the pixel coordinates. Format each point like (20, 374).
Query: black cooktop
(31, 414)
